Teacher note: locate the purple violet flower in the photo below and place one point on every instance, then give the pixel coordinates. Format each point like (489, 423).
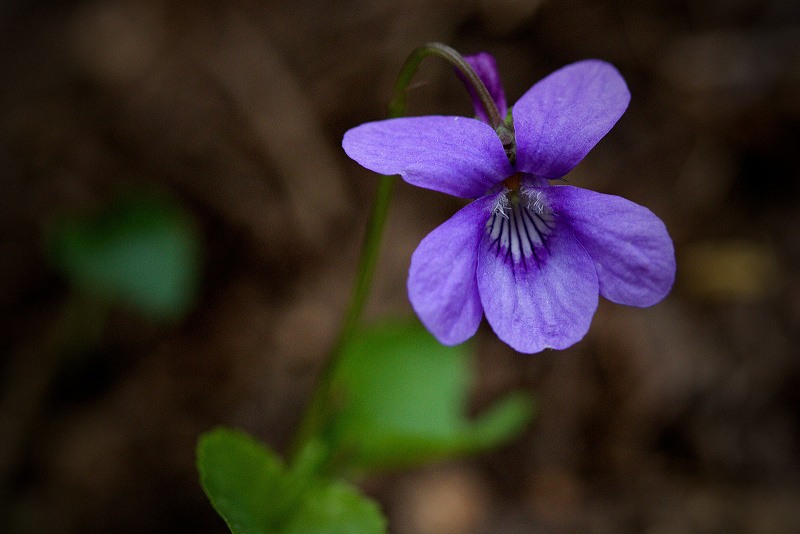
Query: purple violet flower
(531, 256)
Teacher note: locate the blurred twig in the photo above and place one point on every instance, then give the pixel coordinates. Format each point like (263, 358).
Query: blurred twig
(32, 369)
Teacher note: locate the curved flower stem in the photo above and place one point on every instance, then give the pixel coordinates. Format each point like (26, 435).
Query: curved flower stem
(397, 106)
(324, 402)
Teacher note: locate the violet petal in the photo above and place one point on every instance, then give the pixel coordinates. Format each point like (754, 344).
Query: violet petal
(454, 155)
(441, 278)
(558, 120)
(629, 245)
(485, 67)
(539, 304)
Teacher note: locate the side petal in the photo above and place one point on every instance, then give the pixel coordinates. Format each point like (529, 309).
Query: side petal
(630, 246)
(560, 119)
(485, 67)
(454, 155)
(441, 278)
(547, 303)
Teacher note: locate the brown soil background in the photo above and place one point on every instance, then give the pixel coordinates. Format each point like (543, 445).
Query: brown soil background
(682, 418)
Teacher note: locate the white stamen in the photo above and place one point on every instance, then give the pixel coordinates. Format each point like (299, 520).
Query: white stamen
(519, 230)
(534, 197)
(501, 206)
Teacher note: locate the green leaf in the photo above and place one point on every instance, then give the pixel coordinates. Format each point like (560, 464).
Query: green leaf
(244, 481)
(143, 251)
(405, 400)
(336, 508)
(254, 492)
(504, 420)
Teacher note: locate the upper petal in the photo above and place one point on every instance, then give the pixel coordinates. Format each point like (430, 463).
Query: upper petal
(454, 155)
(441, 279)
(545, 301)
(485, 67)
(564, 115)
(630, 246)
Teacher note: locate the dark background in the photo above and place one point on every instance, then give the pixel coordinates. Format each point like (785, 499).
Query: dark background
(682, 418)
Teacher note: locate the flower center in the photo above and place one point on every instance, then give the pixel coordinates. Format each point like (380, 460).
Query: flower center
(512, 182)
(519, 227)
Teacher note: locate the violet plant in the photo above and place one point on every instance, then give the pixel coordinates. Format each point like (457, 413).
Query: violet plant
(529, 253)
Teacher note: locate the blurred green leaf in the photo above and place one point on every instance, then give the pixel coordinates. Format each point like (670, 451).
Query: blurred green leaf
(405, 400)
(142, 250)
(503, 420)
(254, 493)
(243, 480)
(336, 508)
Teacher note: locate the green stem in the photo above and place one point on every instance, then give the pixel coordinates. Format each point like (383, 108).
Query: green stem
(324, 401)
(397, 106)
